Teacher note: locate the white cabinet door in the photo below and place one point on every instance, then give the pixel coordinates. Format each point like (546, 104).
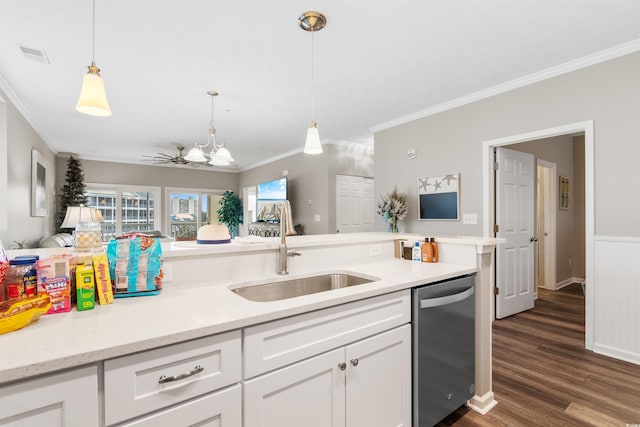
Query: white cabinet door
(308, 393)
(379, 380)
(69, 399)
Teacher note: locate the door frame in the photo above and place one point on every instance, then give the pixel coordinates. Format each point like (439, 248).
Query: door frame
(488, 199)
(550, 251)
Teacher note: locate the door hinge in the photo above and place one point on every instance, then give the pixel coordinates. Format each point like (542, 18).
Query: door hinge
(496, 228)
(496, 290)
(496, 165)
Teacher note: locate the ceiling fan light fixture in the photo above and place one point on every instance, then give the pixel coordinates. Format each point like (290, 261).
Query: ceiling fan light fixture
(312, 145)
(196, 155)
(93, 98)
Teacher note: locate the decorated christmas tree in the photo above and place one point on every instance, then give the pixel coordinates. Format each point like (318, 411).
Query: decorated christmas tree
(72, 191)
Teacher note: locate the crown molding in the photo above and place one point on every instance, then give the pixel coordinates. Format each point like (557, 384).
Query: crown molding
(576, 64)
(11, 97)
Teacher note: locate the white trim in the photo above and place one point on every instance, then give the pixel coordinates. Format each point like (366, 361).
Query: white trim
(4, 171)
(623, 239)
(567, 67)
(482, 404)
(488, 198)
(617, 353)
(567, 282)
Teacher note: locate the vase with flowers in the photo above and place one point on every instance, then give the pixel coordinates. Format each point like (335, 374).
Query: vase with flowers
(393, 208)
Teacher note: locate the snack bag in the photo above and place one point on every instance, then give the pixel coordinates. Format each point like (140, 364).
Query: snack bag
(135, 265)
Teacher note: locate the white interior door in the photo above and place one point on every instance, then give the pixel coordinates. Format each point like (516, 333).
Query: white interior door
(514, 218)
(354, 204)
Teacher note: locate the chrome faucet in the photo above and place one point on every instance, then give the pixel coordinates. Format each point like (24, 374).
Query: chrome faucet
(283, 252)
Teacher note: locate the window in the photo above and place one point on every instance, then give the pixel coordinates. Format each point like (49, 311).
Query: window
(189, 210)
(124, 208)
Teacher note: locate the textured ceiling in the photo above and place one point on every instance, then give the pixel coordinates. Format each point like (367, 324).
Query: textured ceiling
(375, 61)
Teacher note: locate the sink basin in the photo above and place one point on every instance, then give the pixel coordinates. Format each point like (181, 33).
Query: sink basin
(283, 289)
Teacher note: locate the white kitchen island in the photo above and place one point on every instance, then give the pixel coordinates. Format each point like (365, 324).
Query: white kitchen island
(196, 304)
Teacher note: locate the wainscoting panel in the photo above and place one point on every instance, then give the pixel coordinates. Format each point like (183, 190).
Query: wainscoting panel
(616, 286)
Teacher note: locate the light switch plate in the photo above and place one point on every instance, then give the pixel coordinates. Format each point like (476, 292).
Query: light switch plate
(470, 218)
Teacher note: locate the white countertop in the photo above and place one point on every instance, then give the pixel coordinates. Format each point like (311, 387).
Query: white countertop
(183, 312)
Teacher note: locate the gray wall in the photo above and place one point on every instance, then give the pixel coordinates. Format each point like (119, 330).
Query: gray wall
(123, 173)
(308, 187)
(451, 141)
(21, 138)
(313, 178)
(560, 150)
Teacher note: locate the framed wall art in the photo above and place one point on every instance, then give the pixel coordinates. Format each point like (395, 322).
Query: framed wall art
(439, 197)
(39, 202)
(563, 193)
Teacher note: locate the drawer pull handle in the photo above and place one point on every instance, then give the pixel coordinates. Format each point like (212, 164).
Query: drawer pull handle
(342, 366)
(354, 362)
(164, 379)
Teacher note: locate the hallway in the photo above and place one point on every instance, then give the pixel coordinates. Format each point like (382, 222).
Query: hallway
(543, 376)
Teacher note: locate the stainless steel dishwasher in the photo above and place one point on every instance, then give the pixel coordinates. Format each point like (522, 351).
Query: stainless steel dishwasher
(443, 335)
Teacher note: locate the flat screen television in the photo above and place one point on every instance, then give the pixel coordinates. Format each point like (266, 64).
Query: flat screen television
(439, 197)
(270, 196)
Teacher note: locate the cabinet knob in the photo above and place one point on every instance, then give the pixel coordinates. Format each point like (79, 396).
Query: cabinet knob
(342, 366)
(354, 362)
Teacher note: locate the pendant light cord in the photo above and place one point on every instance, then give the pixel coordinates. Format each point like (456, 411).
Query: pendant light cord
(93, 46)
(312, 79)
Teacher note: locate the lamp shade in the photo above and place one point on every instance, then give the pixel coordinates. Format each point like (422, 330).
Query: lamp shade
(80, 214)
(195, 155)
(313, 146)
(93, 99)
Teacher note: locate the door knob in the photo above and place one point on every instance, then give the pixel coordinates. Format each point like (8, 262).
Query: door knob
(354, 362)
(533, 239)
(342, 366)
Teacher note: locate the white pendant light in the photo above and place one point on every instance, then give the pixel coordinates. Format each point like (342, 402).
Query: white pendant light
(312, 21)
(93, 99)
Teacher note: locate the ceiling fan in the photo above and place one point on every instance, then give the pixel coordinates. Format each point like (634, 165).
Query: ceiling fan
(162, 158)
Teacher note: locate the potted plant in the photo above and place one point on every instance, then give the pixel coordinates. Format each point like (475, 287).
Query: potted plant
(230, 212)
(393, 208)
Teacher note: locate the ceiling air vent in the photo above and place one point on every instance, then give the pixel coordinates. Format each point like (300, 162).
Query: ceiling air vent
(35, 54)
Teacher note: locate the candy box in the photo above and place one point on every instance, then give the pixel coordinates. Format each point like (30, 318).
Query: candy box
(54, 280)
(85, 285)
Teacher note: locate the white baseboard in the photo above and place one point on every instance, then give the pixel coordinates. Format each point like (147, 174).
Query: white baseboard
(568, 282)
(482, 404)
(616, 353)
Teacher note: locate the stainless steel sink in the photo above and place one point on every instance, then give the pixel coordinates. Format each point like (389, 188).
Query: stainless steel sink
(283, 289)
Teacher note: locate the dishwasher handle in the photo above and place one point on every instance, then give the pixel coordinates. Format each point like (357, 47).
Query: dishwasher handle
(449, 299)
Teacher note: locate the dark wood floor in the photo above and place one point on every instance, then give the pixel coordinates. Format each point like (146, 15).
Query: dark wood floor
(543, 376)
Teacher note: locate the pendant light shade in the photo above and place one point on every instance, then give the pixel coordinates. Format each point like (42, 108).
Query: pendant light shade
(313, 146)
(93, 99)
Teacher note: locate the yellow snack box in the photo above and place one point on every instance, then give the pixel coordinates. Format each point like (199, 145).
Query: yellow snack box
(103, 278)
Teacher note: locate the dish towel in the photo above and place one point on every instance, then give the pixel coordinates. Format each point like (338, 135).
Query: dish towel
(288, 219)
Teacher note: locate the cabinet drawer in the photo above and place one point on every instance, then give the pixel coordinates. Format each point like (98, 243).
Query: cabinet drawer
(143, 382)
(222, 408)
(275, 344)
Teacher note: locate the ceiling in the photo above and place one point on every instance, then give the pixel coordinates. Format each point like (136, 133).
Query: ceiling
(375, 61)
